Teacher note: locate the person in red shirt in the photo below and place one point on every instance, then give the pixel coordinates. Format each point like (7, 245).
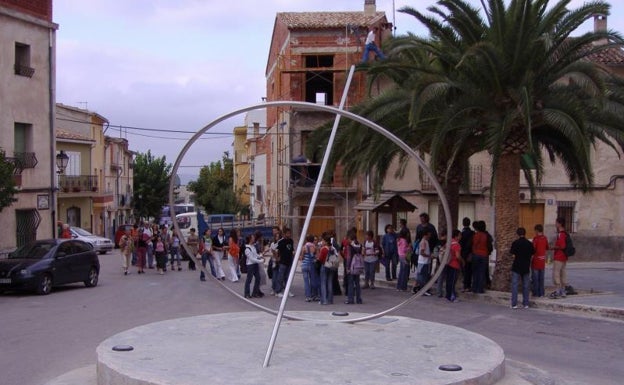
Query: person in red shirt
(65, 233)
(538, 262)
(481, 250)
(453, 266)
(560, 261)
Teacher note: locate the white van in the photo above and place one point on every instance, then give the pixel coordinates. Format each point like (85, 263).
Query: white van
(186, 222)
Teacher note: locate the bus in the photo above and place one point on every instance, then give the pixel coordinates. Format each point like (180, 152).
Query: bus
(180, 208)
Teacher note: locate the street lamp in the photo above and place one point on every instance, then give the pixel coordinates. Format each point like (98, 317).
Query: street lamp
(61, 162)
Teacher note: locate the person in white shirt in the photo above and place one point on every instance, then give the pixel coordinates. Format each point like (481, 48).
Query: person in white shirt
(254, 260)
(369, 45)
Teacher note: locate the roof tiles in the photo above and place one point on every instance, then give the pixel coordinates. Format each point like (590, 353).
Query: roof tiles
(321, 20)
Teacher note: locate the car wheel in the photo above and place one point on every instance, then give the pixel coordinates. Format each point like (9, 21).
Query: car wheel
(92, 280)
(44, 286)
(102, 252)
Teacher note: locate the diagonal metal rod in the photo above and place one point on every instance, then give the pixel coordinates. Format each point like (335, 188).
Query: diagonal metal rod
(306, 224)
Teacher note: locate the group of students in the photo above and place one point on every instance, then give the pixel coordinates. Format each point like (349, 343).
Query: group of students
(320, 261)
(530, 263)
(142, 245)
(322, 256)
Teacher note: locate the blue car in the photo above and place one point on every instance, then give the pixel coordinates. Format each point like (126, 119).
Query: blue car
(46, 263)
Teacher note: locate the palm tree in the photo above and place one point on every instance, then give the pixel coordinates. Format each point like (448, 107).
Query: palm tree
(514, 83)
(525, 86)
(409, 110)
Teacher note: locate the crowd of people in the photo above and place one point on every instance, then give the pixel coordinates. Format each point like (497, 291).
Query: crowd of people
(323, 258)
(152, 247)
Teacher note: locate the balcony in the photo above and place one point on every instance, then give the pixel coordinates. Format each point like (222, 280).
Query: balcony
(24, 70)
(78, 183)
(25, 159)
(17, 165)
(475, 175)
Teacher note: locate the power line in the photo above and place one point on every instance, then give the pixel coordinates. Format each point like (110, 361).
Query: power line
(167, 137)
(123, 128)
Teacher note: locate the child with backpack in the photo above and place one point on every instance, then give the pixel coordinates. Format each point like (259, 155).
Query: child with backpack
(424, 261)
(560, 259)
(371, 258)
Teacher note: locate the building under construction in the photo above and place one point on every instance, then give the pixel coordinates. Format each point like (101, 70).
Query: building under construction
(309, 60)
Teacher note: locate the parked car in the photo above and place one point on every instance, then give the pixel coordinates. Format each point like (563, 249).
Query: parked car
(46, 263)
(100, 244)
(121, 230)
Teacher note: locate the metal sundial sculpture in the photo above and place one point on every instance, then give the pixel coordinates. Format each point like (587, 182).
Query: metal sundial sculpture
(339, 113)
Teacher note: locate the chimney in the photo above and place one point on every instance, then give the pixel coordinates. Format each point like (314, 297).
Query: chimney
(370, 8)
(600, 25)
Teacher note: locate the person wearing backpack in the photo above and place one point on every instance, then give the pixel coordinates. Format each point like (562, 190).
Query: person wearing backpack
(560, 260)
(371, 257)
(328, 270)
(253, 260)
(355, 267)
(424, 262)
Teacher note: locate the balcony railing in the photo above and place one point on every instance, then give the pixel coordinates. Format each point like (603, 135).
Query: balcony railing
(17, 165)
(24, 70)
(26, 159)
(475, 175)
(78, 183)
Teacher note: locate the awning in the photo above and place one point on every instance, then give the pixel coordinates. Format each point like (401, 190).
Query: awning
(385, 203)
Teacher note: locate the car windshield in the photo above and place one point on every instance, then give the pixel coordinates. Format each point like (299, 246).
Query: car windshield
(82, 232)
(33, 251)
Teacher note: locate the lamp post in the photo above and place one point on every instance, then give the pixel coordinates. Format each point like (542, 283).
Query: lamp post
(61, 162)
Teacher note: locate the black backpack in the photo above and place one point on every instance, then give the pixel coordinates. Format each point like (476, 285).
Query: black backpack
(242, 259)
(569, 246)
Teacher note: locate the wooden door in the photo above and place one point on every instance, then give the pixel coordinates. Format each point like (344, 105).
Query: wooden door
(323, 219)
(531, 215)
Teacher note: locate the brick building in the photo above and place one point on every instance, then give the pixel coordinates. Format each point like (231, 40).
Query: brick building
(309, 59)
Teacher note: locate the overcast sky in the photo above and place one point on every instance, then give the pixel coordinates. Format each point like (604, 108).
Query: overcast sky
(179, 64)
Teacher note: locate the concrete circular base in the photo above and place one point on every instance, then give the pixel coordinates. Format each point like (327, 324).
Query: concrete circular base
(230, 348)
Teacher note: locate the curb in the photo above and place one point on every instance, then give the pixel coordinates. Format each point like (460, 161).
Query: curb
(558, 305)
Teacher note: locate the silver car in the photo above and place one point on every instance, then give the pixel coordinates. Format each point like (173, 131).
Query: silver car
(100, 244)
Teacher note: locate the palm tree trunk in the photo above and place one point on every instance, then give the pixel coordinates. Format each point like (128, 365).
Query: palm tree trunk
(451, 191)
(506, 206)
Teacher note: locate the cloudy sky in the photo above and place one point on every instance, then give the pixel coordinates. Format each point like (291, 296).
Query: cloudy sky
(177, 65)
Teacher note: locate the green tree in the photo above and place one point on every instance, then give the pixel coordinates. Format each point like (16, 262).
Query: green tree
(214, 189)
(151, 184)
(514, 84)
(7, 183)
(524, 88)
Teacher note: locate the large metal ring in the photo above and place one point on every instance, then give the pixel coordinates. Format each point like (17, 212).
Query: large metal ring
(346, 114)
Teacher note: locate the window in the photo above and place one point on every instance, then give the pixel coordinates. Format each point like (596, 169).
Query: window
(565, 209)
(22, 60)
(319, 86)
(82, 247)
(73, 165)
(259, 195)
(65, 247)
(23, 145)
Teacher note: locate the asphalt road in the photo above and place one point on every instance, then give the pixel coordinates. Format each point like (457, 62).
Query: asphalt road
(42, 337)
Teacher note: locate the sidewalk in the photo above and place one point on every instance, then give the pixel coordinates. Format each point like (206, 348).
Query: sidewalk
(600, 287)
